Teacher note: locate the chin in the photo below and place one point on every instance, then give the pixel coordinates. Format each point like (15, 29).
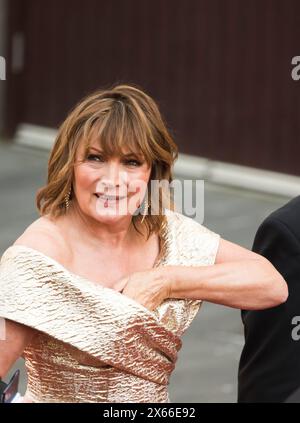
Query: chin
(109, 216)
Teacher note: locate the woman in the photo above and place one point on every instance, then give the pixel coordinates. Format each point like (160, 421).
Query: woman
(97, 292)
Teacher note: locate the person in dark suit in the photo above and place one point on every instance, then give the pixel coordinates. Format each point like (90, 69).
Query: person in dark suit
(269, 369)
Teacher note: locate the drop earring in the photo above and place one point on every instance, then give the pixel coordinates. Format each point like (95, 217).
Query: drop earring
(144, 212)
(67, 199)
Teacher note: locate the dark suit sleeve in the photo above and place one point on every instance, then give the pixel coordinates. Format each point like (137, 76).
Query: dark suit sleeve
(269, 368)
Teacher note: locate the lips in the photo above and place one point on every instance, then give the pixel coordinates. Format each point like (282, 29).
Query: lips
(109, 197)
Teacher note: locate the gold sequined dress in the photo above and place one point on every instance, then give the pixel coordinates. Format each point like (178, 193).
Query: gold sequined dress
(94, 344)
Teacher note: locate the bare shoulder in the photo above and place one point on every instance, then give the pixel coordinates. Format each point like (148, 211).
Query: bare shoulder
(46, 237)
(230, 252)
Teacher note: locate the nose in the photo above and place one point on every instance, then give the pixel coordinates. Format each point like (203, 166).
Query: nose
(112, 175)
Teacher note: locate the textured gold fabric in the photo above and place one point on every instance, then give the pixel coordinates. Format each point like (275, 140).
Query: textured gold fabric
(94, 344)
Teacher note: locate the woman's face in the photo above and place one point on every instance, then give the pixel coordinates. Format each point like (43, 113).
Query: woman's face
(109, 188)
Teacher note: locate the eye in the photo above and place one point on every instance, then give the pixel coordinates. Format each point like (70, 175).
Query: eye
(95, 157)
(134, 163)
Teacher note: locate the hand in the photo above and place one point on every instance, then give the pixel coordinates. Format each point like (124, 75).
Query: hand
(149, 288)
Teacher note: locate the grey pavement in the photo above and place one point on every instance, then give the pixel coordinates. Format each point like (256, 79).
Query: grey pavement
(206, 370)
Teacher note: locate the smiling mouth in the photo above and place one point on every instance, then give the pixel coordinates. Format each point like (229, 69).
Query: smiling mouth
(109, 197)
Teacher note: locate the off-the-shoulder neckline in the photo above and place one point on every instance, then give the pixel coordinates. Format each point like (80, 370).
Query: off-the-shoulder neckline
(162, 253)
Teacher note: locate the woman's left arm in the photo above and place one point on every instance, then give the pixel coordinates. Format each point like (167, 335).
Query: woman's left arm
(239, 278)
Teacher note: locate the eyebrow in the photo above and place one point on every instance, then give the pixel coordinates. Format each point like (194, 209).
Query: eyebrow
(124, 155)
(96, 149)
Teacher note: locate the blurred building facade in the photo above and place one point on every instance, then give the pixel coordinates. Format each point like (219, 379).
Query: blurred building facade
(220, 70)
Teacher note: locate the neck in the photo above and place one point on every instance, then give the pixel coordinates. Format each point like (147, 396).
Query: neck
(117, 235)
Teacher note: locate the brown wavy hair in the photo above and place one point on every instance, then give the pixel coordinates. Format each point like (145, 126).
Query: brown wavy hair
(121, 115)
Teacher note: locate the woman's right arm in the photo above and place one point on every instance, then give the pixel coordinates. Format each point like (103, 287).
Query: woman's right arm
(17, 337)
